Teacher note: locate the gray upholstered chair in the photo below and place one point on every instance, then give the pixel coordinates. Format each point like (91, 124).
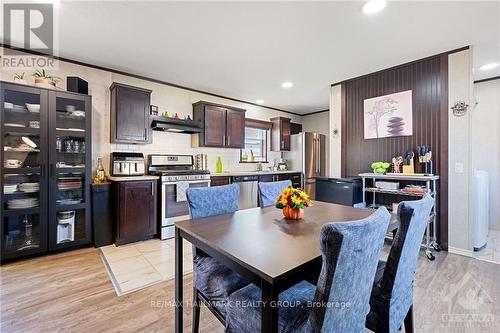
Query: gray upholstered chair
(212, 281)
(350, 252)
(269, 191)
(391, 301)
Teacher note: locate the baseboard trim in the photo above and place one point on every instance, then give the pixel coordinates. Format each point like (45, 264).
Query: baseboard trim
(459, 251)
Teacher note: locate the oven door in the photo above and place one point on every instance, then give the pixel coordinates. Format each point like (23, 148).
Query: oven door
(171, 210)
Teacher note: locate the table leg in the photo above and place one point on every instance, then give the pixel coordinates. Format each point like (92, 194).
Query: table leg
(269, 308)
(178, 281)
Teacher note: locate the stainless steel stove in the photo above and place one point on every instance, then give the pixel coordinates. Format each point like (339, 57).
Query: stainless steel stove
(176, 173)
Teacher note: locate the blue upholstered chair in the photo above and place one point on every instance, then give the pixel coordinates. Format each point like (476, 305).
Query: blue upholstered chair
(212, 281)
(391, 300)
(269, 191)
(350, 252)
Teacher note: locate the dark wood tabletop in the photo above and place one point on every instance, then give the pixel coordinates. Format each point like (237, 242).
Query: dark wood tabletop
(263, 241)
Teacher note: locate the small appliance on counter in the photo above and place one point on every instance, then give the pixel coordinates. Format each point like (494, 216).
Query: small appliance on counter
(281, 164)
(127, 164)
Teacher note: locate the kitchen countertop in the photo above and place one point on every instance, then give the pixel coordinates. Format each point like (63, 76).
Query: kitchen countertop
(250, 173)
(131, 178)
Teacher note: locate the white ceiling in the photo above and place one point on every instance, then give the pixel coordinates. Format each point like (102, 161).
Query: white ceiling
(245, 50)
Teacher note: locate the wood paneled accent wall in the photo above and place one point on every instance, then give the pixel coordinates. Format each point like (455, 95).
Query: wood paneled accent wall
(428, 80)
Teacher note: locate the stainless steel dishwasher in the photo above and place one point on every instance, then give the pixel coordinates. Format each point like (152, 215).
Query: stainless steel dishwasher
(248, 191)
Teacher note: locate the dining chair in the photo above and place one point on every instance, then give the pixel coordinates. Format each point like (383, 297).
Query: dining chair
(269, 192)
(391, 302)
(340, 300)
(212, 281)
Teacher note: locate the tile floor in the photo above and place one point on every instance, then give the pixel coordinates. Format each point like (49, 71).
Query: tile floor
(491, 252)
(138, 265)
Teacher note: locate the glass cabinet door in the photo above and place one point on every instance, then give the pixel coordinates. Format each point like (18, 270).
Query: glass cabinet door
(23, 170)
(69, 162)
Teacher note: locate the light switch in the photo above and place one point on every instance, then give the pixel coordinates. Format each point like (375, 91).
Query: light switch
(459, 168)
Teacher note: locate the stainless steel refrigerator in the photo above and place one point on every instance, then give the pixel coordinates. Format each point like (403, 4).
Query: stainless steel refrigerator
(308, 154)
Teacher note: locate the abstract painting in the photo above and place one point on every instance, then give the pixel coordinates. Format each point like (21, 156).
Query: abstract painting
(389, 115)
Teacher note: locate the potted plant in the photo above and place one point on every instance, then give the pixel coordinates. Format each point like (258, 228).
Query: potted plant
(19, 78)
(44, 79)
(293, 201)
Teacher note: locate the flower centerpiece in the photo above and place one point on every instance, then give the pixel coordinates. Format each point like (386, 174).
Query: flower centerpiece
(293, 201)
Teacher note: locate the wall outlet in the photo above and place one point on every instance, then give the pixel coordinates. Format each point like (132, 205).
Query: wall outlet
(459, 168)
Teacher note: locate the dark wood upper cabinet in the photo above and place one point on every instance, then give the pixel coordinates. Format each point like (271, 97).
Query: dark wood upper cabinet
(130, 114)
(136, 210)
(235, 129)
(280, 134)
(215, 126)
(222, 126)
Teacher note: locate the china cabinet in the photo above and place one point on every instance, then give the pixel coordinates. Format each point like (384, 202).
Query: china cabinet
(45, 170)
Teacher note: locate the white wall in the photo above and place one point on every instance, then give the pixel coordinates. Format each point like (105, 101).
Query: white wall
(319, 123)
(460, 87)
(335, 124)
(486, 141)
(168, 99)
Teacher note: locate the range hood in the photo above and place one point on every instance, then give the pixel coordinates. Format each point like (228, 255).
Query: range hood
(175, 125)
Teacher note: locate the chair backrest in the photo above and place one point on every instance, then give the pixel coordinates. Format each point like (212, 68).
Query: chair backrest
(350, 252)
(210, 201)
(269, 191)
(401, 264)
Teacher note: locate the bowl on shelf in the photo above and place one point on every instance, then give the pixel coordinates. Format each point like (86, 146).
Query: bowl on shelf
(77, 113)
(33, 107)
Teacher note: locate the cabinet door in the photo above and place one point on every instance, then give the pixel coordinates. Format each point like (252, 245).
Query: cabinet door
(23, 158)
(136, 210)
(131, 115)
(235, 129)
(267, 178)
(219, 181)
(215, 126)
(69, 169)
(285, 134)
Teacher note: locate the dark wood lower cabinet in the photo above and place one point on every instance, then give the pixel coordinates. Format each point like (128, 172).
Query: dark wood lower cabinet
(220, 180)
(135, 210)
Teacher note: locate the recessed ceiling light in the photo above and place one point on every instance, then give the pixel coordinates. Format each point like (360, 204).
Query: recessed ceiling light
(287, 84)
(489, 66)
(373, 6)
(259, 101)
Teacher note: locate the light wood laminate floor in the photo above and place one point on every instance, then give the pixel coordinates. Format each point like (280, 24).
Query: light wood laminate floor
(71, 292)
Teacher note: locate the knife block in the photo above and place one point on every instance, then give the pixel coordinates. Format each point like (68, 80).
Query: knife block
(410, 169)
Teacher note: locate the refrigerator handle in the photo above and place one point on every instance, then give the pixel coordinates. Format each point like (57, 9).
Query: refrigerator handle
(318, 158)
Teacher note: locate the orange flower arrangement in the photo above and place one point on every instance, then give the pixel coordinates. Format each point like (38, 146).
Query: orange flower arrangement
(293, 201)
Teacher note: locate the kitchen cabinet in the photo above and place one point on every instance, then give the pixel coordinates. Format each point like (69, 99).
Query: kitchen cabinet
(130, 120)
(280, 134)
(222, 126)
(220, 180)
(135, 204)
(296, 178)
(45, 170)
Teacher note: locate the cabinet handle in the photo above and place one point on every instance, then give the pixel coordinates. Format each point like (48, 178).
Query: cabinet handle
(223, 140)
(282, 144)
(228, 140)
(152, 190)
(146, 134)
(52, 170)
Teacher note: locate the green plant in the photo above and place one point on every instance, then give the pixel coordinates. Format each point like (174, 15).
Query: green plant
(43, 74)
(18, 76)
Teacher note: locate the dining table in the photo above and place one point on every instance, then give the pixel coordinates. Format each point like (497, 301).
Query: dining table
(261, 246)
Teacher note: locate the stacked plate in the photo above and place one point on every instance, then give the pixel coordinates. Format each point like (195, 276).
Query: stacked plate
(23, 203)
(29, 187)
(9, 189)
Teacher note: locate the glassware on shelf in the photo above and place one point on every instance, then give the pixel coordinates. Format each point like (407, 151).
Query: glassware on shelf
(28, 242)
(59, 144)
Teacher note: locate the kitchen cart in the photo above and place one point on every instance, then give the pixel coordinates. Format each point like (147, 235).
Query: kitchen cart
(429, 183)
